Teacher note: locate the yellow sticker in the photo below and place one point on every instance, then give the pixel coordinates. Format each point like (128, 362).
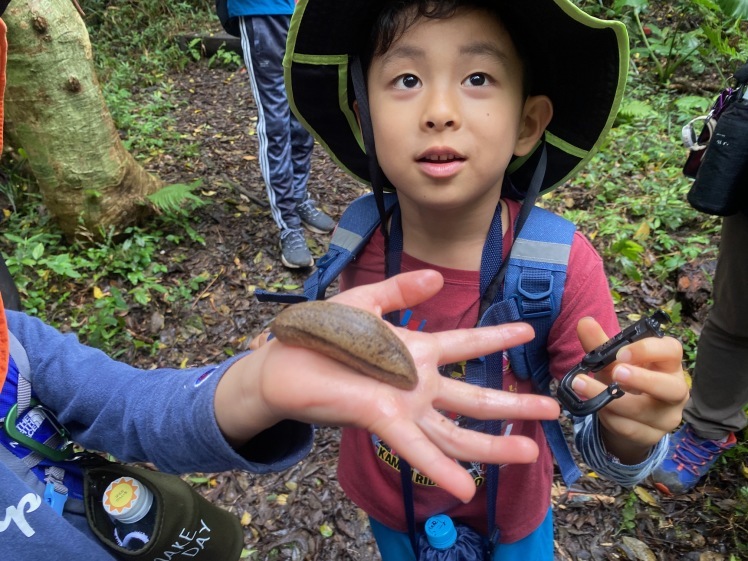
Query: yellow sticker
(120, 494)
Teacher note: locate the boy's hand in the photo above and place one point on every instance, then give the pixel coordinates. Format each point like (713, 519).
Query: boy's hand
(650, 373)
(279, 382)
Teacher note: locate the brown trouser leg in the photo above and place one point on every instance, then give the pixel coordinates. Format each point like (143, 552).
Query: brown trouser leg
(720, 383)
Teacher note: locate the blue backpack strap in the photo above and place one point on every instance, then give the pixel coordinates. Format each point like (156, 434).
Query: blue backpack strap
(533, 288)
(357, 224)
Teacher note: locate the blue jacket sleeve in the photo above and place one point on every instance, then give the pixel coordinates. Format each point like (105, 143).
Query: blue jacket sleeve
(164, 416)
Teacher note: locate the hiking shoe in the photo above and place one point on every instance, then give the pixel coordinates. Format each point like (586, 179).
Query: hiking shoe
(689, 458)
(313, 218)
(294, 251)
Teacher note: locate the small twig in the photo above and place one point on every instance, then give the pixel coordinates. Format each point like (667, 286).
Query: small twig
(77, 7)
(205, 290)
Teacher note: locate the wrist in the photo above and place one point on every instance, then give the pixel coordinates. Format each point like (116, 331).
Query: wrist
(240, 410)
(621, 451)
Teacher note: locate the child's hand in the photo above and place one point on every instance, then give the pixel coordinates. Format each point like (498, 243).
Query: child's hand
(650, 373)
(259, 340)
(279, 382)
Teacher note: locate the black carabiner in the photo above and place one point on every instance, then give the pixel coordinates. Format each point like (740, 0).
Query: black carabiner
(601, 357)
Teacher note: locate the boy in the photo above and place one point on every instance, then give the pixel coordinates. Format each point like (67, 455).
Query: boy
(252, 412)
(453, 100)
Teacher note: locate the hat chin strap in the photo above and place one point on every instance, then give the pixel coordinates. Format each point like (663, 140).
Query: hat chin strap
(376, 175)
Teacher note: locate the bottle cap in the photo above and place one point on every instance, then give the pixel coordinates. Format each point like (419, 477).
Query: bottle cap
(127, 500)
(440, 531)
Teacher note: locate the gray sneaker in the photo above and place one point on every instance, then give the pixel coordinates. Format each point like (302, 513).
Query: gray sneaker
(294, 251)
(313, 218)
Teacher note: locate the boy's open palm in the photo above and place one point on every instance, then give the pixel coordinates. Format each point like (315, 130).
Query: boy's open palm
(650, 372)
(306, 386)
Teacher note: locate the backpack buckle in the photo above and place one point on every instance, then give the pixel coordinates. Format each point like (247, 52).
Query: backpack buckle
(59, 453)
(537, 304)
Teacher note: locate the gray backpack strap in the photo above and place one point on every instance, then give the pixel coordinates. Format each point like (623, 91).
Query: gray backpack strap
(24, 373)
(52, 488)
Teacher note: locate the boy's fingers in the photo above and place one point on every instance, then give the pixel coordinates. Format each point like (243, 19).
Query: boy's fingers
(668, 388)
(587, 386)
(482, 403)
(416, 445)
(401, 291)
(643, 384)
(665, 351)
(470, 445)
(422, 454)
(590, 334)
(464, 344)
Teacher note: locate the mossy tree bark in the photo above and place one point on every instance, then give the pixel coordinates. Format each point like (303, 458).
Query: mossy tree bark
(56, 112)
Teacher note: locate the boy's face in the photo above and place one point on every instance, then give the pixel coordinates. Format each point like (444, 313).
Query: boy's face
(447, 110)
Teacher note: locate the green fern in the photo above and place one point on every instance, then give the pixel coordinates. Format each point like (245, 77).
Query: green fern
(633, 110)
(737, 9)
(177, 198)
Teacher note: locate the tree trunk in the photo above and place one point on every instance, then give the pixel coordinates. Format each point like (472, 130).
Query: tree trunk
(57, 114)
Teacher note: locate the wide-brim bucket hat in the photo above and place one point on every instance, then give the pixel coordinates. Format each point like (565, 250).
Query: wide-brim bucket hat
(580, 62)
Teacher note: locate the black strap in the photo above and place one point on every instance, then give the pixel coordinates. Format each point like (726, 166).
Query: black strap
(410, 515)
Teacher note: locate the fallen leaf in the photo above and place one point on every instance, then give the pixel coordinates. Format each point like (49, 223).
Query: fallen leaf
(645, 496)
(642, 233)
(638, 549)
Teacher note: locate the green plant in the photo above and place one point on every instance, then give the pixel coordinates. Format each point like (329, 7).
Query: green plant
(628, 514)
(146, 31)
(226, 57)
(106, 280)
(699, 33)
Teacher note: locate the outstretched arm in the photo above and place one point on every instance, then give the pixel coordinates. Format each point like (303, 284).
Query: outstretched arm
(278, 382)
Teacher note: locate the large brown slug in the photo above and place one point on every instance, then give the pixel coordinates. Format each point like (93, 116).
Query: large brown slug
(350, 335)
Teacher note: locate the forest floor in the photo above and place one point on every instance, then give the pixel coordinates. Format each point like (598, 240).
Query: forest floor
(302, 513)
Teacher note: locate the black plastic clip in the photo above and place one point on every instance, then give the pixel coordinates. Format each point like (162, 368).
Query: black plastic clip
(601, 357)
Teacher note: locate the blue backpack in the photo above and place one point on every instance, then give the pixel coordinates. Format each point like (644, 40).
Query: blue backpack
(533, 287)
